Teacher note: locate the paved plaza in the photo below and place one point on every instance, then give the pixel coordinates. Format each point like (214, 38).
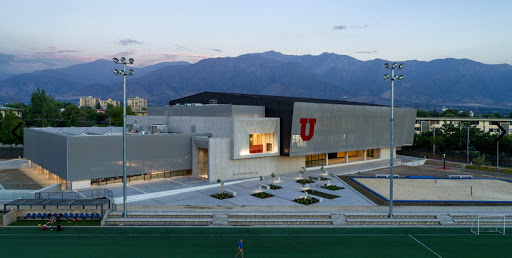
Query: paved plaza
(194, 191)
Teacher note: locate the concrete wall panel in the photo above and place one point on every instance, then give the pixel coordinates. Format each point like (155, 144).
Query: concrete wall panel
(349, 127)
(48, 150)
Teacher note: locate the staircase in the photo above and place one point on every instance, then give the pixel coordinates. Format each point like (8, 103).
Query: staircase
(263, 219)
(140, 218)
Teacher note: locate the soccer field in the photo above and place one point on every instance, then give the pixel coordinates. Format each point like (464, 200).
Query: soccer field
(258, 242)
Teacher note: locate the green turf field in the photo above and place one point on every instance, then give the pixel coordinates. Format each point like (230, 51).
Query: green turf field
(258, 242)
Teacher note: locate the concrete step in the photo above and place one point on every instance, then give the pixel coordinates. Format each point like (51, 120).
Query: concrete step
(393, 221)
(395, 216)
(247, 222)
(465, 216)
(157, 222)
(280, 215)
(161, 215)
(482, 222)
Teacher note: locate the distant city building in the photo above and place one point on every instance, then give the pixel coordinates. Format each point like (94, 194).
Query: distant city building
(425, 124)
(94, 102)
(138, 105)
(104, 103)
(16, 111)
(89, 102)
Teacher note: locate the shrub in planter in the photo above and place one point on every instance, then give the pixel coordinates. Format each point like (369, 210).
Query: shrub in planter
(274, 187)
(321, 194)
(222, 196)
(332, 187)
(324, 178)
(262, 195)
(306, 201)
(304, 181)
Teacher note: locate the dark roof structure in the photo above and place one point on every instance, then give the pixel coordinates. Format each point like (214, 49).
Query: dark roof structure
(244, 99)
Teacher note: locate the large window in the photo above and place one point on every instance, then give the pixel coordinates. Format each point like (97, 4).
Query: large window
(261, 142)
(315, 160)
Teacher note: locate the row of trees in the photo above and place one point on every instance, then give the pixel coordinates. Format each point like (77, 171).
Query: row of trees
(455, 113)
(454, 138)
(43, 111)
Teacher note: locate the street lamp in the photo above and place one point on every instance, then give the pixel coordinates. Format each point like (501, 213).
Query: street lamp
(124, 74)
(393, 78)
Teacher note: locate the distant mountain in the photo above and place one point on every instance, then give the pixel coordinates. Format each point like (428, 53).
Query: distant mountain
(59, 82)
(243, 74)
(438, 82)
(441, 82)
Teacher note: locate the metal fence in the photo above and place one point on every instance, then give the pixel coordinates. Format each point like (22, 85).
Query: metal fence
(461, 157)
(86, 194)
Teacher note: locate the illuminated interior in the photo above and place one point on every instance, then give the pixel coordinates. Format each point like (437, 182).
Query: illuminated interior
(261, 142)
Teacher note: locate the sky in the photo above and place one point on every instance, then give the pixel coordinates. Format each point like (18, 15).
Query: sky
(50, 34)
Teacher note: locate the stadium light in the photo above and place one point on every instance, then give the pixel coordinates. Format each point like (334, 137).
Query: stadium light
(393, 78)
(124, 74)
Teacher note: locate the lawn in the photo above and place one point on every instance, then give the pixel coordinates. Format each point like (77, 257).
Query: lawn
(258, 242)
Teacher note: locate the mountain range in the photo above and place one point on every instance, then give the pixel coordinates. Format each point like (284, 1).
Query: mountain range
(451, 82)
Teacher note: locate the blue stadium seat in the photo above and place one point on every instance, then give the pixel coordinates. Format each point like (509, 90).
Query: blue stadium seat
(97, 215)
(82, 215)
(38, 216)
(27, 216)
(76, 215)
(86, 216)
(42, 216)
(55, 215)
(65, 216)
(33, 215)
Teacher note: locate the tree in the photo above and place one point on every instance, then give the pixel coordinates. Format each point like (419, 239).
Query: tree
(221, 184)
(9, 122)
(43, 109)
(116, 114)
(98, 106)
(273, 175)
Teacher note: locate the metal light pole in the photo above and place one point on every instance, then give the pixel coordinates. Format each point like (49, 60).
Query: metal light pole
(467, 148)
(391, 147)
(124, 74)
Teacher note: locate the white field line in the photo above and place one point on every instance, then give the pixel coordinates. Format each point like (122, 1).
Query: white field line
(425, 246)
(142, 197)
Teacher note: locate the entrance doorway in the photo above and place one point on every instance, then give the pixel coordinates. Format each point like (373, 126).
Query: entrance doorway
(203, 163)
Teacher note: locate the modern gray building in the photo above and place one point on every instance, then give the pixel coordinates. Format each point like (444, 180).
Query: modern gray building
(221, 136)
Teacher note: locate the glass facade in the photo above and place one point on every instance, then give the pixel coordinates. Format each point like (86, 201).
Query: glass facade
(145, 177)
(261, 142)
(315, 160)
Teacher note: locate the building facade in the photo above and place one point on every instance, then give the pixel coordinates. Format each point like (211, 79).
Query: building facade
(16, 111)
(238, 137)
(426, 124)
(104, 103)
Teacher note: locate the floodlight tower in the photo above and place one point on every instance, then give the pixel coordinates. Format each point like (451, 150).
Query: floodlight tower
(393, 78)
(124, 74)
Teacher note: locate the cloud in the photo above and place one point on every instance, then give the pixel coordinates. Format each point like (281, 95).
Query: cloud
(216, 50)
(339, 27)
(129, 52)
(366, 52)
(29, 62)
(126, 42)
(154, 58)
(356, 27)
(68, 51)
(359, 27)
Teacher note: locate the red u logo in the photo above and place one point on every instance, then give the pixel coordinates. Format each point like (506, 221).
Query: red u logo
(303, 123)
